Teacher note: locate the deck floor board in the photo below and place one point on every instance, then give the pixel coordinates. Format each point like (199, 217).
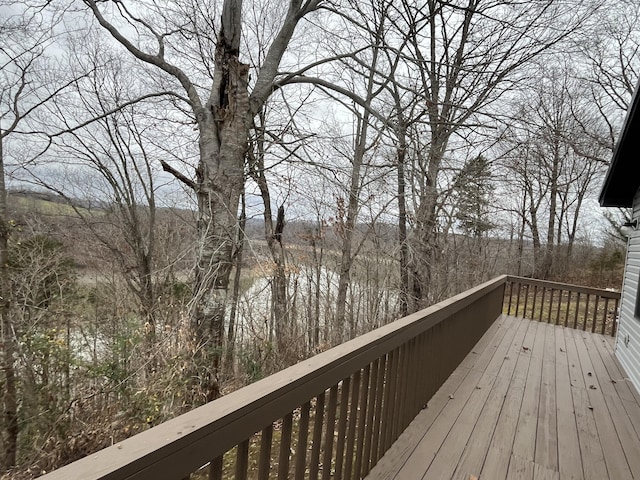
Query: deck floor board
(531, 401)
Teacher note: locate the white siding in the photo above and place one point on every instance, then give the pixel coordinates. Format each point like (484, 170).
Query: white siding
(628, 337)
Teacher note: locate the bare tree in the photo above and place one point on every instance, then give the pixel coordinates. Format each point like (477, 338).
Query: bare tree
(609, 48)
(115, 151)
(24, 37)
(551, 169)
(463, 58)
(364, 143)
(18, 63)
(223, 114)
(280, 314)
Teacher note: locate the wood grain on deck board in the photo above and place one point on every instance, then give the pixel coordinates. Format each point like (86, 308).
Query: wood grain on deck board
(533, 401)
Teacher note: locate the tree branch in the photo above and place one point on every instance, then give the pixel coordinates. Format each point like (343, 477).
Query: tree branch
(183, 178)
(336, 88)
(156, 60)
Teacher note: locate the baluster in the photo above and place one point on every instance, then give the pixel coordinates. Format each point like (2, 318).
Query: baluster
(362, 420)
(342, 427)
(317, 437)
(368, 437)
(390, 401)
(329, 433)
(566, 317)
(595, 314)
(352, 423)
(510, 297)
(301, 446)
(215, 468)
(586, 312)
(604, 317)
(285, 447)
(264, 462)
(242, 460)
(560, 294)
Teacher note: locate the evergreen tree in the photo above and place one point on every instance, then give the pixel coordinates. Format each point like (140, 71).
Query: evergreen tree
(473, 189)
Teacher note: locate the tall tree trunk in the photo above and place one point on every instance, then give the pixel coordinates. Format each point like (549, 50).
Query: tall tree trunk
(406, 300)
(235, 295)
(348, 229)
(521, 229)
(8, 387)
(547, 259)
(426, 223)
(318, 255)
(223, 126)
(402, 227)
(279, 283)
(273, 236)
(353, 204)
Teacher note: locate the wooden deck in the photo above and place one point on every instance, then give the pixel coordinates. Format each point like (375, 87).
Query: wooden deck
(531, 401)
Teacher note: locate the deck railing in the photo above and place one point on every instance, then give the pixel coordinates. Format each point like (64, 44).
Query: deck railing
(331, 416)
(583, 308)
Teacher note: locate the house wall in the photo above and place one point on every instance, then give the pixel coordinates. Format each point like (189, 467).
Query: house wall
(628, 338)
